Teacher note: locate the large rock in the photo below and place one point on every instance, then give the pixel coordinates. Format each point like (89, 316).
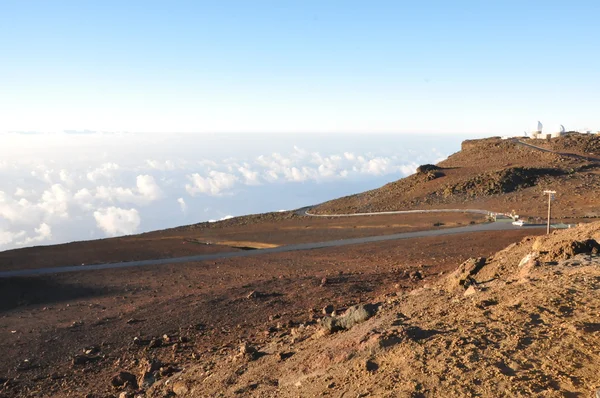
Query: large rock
(353, 316)
(571, 248)
(180, 388)
(124, 379)
(425, 168)
(464, 273)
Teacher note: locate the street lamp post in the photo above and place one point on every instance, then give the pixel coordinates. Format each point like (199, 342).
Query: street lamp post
(550, 197)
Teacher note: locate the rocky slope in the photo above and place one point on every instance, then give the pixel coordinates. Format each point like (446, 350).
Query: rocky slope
(495, 174)
(521, 323)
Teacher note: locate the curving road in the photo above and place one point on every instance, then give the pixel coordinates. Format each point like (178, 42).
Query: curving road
(498, 226)
(305, 212)
(565, 154)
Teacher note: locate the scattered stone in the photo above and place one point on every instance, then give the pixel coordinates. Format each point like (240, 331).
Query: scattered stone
(328, 309)
(371, 366)
(133, 320)
(148, 374)
(353, 316)
(151, 365)
(254, 294)
(180, 388)
(528, 258)
(126, 394)
(463, 275)
(285, 355)
(416, 275)
(79, 360)
(140, 342)
(324, 282)
(167, 371)
(91, 350)
(247, 349)
(76, 324)
(146, 380)
(124, 379)
(470, 291)
(331, 385)
(25, 365)
(155, 343)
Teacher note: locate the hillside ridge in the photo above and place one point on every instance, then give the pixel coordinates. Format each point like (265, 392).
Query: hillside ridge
(496, 174)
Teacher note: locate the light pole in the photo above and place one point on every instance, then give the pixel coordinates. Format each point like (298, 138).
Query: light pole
(550, 197)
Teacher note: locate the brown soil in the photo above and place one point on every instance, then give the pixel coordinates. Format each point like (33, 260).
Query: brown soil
(522, 323)
(258, 231)
(498, 175)
(202, 307)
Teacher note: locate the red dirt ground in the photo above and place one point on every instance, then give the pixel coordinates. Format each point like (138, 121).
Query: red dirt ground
(44, 322)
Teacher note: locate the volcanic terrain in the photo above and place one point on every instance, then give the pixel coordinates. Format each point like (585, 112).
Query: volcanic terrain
(496, 174)
(489, 313)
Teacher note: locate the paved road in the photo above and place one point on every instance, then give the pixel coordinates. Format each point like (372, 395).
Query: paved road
(570, 155)
(305, 212)
(498, 226)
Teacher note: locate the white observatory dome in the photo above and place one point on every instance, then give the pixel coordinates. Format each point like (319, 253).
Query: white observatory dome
(537, 126)
(536, 129)
(558, 130)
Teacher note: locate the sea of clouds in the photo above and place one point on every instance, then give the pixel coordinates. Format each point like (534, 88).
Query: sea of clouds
(61, 187)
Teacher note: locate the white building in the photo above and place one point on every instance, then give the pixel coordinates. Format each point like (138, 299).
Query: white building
(558, 131)
(536, 130)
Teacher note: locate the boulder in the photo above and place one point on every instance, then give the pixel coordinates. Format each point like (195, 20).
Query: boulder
(124, 379)
(328, 309)
(180, 388)
(464, 273)
(425, 168)
(353, 316)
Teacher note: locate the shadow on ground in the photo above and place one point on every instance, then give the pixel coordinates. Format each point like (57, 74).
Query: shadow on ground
(20, 292)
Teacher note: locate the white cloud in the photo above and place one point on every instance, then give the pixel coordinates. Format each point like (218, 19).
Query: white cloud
(66, 177)
(105, 171)
(116, 221)
(251, 177)
(146, 191)
(215, 184)
(43, 232)
(182, 204)
(20, 192)
(167, 165)
(409, 168)
(148, 188)
(8, 237)
(84, 198)
(55, 201)
(377, 166)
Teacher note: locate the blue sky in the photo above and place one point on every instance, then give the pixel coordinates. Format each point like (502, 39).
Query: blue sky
(298, 66)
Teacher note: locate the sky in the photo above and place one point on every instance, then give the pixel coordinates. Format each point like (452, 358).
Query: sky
(119, 117)
(298, 66)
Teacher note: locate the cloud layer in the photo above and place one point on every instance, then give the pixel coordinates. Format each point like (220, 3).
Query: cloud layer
(58, 188)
